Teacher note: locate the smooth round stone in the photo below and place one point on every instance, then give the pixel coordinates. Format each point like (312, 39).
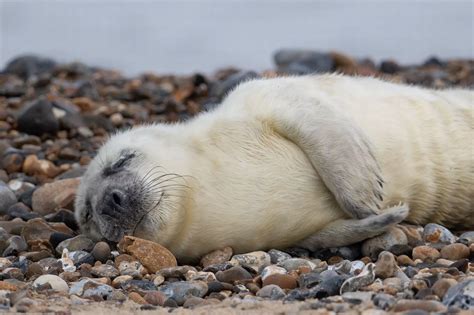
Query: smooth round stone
(425, 305)
(296, 263)
(99, 292)
(254, 260)
(80, 242)
(200, 276)
(7, 198)
(441, 286)
(386, 265)
(101, 251)
(394, 236)
(217, 257)
(56, 283)
(277, 256)
(435, 233)
(425, 253)
(455, 251)
(284, 281)
(467, 238)
(176, 272)
(151, 255)
(155, 298)
(105, 270)
(233, 274)
(193, 301)
(131, 268)
(404, 260)
(181, 290)
(272, 292)
(358, 296)
(137, 298)
(118, 281)
(271, 270)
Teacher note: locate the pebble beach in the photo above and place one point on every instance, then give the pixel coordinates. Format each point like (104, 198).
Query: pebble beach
(54, 117)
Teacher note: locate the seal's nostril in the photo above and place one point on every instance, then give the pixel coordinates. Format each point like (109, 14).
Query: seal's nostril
(116, 197)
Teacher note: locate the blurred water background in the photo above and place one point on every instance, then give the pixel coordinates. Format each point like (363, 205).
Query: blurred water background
(177, 36)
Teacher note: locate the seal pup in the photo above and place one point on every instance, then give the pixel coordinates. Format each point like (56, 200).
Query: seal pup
(315, 161)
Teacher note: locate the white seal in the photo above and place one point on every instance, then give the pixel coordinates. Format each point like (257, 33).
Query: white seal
(317, 161)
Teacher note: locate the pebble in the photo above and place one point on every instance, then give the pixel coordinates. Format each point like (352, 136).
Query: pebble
(217, 257)
(105, 270)
(155, 298)
(77, 243)
(425, 253)
(56, 283)
(441, 286)
(15, 244)
(366, 277)
(435, 233)
(254, 260)
(455, 251)
(37, 118)
(98, 292)
(284, 281)
(54, 196)
(293, 264)
(460, 295)
(233, 274)
(424, 305)
(394, 236)
(181, 290)
(36, 167)
(7, 198)
(272, 292)
(386, 265)
(467, 238)
(277, 256)
(37, 229)
(271, 270)
(101, 251)
(137, 298)
(151, 255)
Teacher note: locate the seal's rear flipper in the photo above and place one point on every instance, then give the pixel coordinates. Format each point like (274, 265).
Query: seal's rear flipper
(344, 232)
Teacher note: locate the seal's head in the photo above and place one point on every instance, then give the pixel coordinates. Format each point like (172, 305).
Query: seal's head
(127, 190)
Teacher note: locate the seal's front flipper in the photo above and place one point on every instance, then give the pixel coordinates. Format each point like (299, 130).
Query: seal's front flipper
(337, 147)
(344, 232)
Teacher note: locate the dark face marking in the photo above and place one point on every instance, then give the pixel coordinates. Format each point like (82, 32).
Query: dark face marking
(125, 158)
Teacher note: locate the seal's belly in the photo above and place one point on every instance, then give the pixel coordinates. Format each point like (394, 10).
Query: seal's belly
(263, 192)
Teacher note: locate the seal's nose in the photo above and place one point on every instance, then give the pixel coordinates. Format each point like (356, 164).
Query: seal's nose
(114, 203)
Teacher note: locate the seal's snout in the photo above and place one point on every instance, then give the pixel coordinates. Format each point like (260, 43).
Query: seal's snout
(115, 203)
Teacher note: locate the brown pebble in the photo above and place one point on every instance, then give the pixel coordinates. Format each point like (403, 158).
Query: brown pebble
(455, 251)
(217, 257)
(429, 306)
(101, 251)
(193, 301)
(34, 166)
(53, 196)
(155, 298)
(425, 253)
(137, 298)
(404, 260)
(12, 163)
(150, 254)
(7, 286)
(284, 281)
(441, 286)
(386, 265)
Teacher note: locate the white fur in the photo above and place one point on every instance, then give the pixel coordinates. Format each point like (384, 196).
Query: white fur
(255, 178)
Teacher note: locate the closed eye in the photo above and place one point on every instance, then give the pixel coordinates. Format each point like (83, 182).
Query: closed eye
(118, 165)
